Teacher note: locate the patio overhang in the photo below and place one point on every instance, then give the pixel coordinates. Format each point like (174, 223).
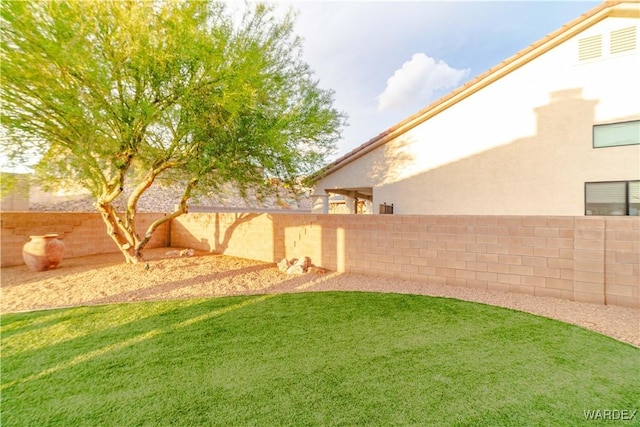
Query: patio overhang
(361, 193)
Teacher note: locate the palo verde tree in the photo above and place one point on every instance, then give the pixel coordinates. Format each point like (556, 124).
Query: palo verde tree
(137, 91)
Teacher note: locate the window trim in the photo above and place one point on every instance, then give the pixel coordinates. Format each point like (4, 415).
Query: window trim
(593, 135)
(627, 205)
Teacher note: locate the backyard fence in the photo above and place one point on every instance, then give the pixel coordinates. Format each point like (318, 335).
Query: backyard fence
(82, 233)
(589, 259)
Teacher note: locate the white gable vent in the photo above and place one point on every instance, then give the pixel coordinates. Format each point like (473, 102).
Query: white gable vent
(623, 40)
(590, 47)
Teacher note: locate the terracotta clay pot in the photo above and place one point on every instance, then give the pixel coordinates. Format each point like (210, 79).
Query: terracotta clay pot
(43, 252)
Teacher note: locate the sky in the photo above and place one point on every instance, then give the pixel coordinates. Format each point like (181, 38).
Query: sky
(386, 60)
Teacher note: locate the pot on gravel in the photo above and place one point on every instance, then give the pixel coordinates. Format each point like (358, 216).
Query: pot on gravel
(43, 252)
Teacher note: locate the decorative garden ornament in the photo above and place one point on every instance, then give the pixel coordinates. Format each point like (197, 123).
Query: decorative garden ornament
(43, 252)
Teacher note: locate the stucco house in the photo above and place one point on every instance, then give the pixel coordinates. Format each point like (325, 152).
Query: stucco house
(553, 130)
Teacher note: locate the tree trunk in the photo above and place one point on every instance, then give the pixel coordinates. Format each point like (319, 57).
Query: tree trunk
(123, 231)
(120, 234)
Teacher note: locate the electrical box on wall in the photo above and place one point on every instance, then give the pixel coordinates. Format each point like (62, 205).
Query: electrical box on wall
(386, 209)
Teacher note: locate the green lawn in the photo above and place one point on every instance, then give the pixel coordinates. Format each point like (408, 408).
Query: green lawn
(308, 359)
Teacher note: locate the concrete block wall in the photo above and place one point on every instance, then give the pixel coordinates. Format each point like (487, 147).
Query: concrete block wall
(264, 237)
(82, 233)
(622, 261)
(589, 259)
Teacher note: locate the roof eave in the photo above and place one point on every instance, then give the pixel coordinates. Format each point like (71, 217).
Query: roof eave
(516, 61)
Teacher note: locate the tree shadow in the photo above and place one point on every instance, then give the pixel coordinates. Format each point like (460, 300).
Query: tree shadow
(217, 240)
(20, 275)
(67, 354)
(20, 323)
(153, 293)
(63, 356)
(222, 242)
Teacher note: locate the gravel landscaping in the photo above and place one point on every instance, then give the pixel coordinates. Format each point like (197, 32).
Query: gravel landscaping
(104, 279)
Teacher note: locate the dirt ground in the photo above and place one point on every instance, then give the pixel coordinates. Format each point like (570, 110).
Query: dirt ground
(104, 279)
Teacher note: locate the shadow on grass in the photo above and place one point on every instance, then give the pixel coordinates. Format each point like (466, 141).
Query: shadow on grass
(70, 353)
(12, 325)
(146, 323)
(317, 359)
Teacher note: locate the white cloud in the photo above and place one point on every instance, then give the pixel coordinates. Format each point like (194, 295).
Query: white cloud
(417, 80)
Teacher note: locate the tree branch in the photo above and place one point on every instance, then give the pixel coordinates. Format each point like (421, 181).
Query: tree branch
(181, 209)
(132, 202)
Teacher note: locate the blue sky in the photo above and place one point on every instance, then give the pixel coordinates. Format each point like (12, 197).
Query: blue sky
(387, 60)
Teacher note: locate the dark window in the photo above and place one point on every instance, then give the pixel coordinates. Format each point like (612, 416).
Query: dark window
(612, 198)
(615, 134)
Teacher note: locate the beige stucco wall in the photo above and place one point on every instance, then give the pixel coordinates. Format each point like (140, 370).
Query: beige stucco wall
(520, 146)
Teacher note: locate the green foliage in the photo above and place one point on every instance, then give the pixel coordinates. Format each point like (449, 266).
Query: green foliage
(98, 87)
(308, 359)
(13, 183)
(113, 91)
(7, 183)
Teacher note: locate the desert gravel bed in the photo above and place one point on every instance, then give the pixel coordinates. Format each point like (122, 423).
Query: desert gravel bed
(105, 279)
